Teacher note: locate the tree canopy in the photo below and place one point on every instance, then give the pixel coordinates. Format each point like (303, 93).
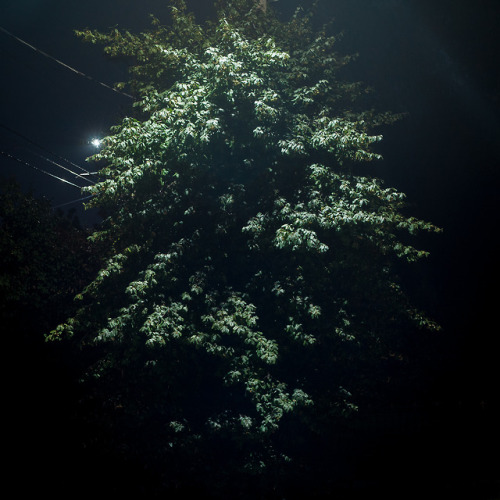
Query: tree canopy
(46, 259)
(252, 286)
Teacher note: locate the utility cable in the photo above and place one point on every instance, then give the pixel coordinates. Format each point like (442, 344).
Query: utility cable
(86, 179)
(8, 155)
(81, 176)
(73, 201)
(80, 73)
(48, 151)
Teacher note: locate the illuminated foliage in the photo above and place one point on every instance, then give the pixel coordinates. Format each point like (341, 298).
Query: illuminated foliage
(251, 283)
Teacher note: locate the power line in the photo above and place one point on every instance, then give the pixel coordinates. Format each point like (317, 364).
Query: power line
(64, 168)
(73, 201)
(8, 155)
(27, 139)
(80, 73)
(81, 176)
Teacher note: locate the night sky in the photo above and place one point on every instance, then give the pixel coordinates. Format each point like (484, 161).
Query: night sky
(436, 60)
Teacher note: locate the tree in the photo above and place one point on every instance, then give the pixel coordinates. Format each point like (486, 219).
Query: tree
(252, 289)
(46, 259)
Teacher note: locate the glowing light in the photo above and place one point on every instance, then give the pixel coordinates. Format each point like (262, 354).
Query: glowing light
(96, 142)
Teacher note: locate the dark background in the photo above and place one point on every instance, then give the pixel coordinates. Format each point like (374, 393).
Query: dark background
(437, 61)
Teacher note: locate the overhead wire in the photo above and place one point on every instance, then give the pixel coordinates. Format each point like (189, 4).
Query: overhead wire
(80, 73)
(27, 139)
(8, 155)
(80, 176)
(73, 201)
(86, 172)
(53, 154)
